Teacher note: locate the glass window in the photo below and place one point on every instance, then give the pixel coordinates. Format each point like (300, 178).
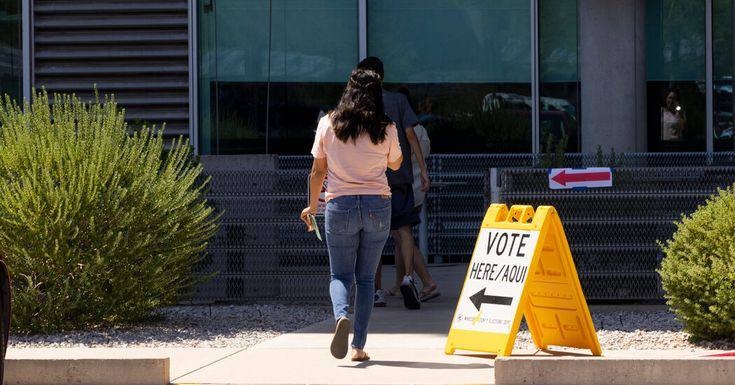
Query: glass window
(675, 67)
(722, 75)
(558, 75)
(267, 70)
(314, 49)
(466, 65)
(11, 59)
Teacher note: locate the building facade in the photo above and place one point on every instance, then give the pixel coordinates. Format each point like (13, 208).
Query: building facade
(484, 76)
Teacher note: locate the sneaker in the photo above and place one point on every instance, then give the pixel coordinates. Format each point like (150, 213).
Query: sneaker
(379, 298)
(410, 294)
(339, 345)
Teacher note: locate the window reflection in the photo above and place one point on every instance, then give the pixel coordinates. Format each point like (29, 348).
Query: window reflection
(240, 114)
(466, 64)
(473, 118)
(722, 76)
(679, 125)
(724, 137)
(11, 59)
(675, 56)
(673, 118)
(267, 69)
(558, 75)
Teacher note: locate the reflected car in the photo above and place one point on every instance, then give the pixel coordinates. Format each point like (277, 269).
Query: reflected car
(723, 124)
(524, 102)
(556, 115)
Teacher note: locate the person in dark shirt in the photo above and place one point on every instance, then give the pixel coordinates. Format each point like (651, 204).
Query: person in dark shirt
(403, 215)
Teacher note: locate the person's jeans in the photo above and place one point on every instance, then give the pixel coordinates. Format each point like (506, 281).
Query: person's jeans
(357, 227)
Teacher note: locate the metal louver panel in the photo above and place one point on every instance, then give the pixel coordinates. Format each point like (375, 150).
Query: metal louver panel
(135, 49)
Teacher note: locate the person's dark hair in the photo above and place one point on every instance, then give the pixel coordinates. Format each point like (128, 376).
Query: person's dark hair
(372, 63)
(670, 91)
(360, 110)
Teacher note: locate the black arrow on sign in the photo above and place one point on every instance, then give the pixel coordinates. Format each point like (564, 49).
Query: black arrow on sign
(479, 298)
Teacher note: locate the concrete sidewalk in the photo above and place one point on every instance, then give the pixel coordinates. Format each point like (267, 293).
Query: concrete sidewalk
(405, 347)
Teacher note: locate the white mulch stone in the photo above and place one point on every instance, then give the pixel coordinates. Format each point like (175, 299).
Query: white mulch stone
(637, 328)
(220, 326)
(242, 326)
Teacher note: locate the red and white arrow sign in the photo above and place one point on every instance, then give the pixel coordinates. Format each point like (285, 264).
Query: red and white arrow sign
(567, 178)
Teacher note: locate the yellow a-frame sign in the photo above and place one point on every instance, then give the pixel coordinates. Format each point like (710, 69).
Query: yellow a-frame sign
(521, 265)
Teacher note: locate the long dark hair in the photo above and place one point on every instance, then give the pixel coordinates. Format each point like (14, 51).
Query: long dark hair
(360, 110)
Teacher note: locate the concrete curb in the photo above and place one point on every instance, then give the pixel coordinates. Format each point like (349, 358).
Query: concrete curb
(88, 371)
(614, 370)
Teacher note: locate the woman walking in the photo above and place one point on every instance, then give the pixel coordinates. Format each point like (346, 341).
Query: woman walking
(354, 145)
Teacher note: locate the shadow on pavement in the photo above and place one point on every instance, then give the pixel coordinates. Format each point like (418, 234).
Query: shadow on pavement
(418, 365)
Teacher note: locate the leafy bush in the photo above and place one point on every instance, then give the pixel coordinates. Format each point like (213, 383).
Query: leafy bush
(612, 160)
(98, 227)
(698, 272)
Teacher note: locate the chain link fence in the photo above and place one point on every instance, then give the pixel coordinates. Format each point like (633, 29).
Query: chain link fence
(614, 232)
(263, 253)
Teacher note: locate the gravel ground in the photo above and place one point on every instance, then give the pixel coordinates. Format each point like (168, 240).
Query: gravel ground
(620, 327)
(637, 328)
(220, 326)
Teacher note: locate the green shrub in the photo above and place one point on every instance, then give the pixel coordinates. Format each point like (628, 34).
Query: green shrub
(612, 160)
(554, 152)
(97, 226)
(698, 272)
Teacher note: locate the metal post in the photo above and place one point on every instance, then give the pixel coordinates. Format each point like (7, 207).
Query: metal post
(709, 133)
(494, 185)
(362, 28)
(27, 54)
(424, 233)
(268, 87)
(193, 77)
(535, 135)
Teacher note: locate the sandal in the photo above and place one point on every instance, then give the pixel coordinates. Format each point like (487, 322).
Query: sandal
(360, 358)
(339, 340)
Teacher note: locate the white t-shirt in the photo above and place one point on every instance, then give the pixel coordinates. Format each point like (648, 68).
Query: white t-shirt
(670, 126)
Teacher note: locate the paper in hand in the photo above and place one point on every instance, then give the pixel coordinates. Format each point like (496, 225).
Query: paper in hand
(314, 226)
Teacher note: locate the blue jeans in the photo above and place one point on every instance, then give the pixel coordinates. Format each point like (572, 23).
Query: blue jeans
(357, 227)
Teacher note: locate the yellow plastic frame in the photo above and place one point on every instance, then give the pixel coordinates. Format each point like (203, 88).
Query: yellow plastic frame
(551, 300)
